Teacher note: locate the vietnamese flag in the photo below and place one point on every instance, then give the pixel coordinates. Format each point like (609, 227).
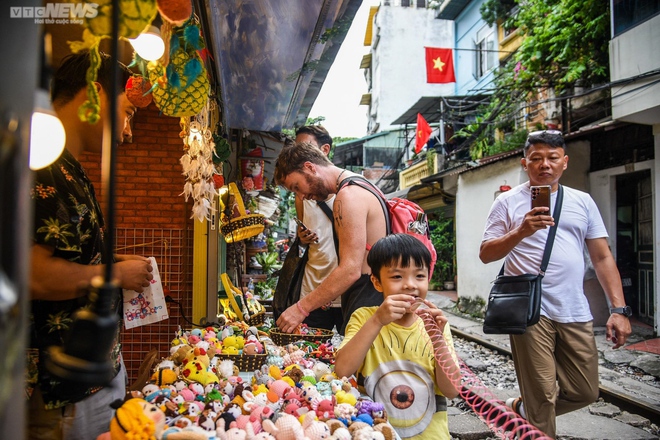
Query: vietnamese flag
(423, 133)
(439, 65)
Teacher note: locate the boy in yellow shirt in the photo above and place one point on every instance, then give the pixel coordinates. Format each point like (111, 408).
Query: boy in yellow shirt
(389, 349)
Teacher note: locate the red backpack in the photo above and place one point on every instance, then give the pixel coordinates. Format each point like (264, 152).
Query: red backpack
(401, 215)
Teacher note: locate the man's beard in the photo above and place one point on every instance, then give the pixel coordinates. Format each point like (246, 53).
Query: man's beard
(317, 189)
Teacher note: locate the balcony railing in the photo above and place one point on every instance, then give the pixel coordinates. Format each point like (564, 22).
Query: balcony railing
(415, 173)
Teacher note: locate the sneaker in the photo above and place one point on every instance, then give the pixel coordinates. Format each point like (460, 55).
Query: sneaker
(516, 404)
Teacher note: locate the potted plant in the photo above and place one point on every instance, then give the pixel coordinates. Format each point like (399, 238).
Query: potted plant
(443, 239)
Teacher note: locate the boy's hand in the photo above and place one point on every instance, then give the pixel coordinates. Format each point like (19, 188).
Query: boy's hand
(439, 317)
(393, 308)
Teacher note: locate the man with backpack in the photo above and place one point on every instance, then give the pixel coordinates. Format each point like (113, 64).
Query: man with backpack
(359, 221)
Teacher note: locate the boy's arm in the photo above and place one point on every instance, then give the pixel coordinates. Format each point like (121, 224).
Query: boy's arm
(350, 357)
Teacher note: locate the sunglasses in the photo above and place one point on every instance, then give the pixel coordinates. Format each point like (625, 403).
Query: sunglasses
(540, 132)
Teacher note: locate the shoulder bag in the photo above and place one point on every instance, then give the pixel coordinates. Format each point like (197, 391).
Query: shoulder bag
(290, 278)
(514, 302)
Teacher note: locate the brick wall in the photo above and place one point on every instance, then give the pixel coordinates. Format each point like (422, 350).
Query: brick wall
(152, 219)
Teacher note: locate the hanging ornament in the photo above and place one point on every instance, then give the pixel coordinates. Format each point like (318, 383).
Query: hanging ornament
(197, 162)
(175, 11)
(138, 91)
(183, 85)
(134, 17)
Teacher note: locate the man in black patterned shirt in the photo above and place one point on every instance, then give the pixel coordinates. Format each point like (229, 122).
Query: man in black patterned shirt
(68, 251)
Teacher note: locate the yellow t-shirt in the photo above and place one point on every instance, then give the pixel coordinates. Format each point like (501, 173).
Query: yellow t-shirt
(399, 372)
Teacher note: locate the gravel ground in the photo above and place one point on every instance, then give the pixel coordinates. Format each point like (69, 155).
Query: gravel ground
(497, 372)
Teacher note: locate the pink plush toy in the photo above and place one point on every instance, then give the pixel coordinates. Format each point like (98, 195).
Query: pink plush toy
(286, 427)
(325, 408)
(314, 429)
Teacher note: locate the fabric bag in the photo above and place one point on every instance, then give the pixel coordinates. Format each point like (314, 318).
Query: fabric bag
(289, 282)
(514, 302)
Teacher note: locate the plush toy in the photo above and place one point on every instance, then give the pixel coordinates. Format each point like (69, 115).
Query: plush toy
(338, 430)
(233, 433)
(320, 369)
(137, 419)
(324, 407)
(181, 353)
(387, 430)
(253, 347)
(374, 409)
(286, 427)
(314, 429)
(344, 397)
(195, 371)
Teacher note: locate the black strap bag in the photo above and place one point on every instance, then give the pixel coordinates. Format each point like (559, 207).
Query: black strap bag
(514, 302)
(289, 282)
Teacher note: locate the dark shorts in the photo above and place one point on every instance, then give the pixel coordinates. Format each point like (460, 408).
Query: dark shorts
(361, 294)
(326, 319)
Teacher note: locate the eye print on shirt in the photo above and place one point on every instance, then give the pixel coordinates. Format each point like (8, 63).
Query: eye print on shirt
(406, 390)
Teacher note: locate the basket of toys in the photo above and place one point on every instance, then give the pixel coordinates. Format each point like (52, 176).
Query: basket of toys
(239, 225)
(245, 306)
(302, 333)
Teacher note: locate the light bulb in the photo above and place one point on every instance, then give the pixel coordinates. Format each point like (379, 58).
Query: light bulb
(47, 136)
(149, 45)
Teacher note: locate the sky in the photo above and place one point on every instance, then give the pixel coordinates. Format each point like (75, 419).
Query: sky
(342, 89)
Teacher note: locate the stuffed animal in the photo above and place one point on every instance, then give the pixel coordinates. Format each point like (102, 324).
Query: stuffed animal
(324, 407)
(137, 419)
(233, 433)
(195, 371)
(314, 429)
(286, 427)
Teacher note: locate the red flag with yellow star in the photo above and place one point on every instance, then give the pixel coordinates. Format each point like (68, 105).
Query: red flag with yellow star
(439, 65)
(423, 133)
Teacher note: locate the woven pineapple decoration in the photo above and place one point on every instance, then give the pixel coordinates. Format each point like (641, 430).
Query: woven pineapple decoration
(183, 86)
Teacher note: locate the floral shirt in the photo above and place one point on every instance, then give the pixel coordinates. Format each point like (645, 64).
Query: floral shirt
(68, 218)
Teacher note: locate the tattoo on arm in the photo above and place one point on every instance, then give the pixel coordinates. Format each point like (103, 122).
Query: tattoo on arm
(338, 213)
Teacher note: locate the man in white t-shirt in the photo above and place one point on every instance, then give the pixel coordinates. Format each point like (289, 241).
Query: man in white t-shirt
(556, 359)
(321, 252)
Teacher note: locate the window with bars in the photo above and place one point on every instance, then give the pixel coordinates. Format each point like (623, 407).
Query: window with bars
(485, 51)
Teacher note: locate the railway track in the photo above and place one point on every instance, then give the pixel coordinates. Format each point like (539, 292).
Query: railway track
(623, 401)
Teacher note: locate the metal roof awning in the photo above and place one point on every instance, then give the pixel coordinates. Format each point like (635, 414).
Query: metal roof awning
(429, 107)
(270, 57)
(450, 9)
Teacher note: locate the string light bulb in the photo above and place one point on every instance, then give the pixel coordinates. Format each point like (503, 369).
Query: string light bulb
(47, 136)
(149, 44)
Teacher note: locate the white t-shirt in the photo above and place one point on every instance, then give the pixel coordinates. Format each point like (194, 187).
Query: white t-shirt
(322, 258)
(563, 295)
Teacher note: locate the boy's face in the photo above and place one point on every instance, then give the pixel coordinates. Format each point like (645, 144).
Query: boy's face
(395, 279)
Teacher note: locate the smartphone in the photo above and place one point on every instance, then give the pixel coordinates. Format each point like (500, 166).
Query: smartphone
(300, 223)
(541, 197)
(304, 228)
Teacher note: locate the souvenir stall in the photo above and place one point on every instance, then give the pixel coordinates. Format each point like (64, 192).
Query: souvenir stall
(236, 376)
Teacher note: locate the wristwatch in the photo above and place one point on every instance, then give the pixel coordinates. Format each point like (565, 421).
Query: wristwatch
(625, 311)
